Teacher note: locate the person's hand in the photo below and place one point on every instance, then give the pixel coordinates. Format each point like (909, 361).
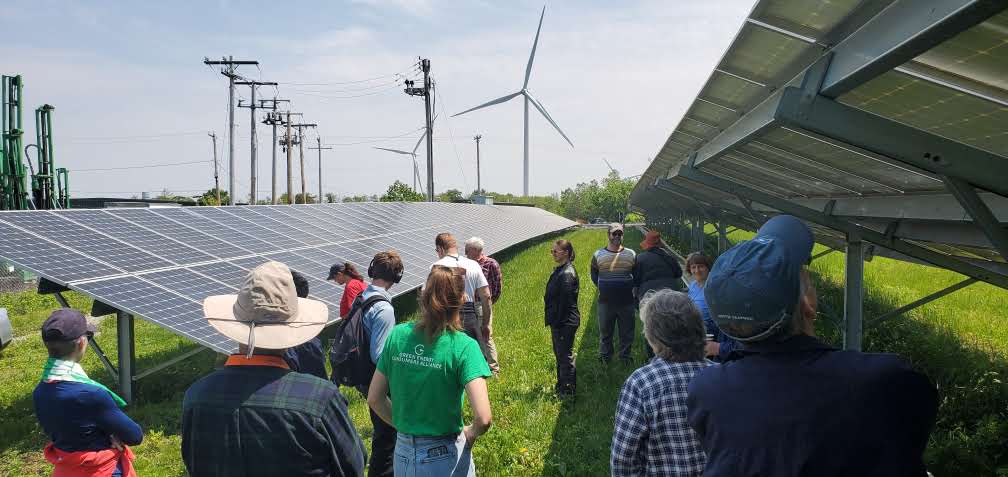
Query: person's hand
(712, 348)
(470, 435)
(117, 443)
(487, 330)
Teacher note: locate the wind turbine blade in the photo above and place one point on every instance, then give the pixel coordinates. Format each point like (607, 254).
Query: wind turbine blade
(397, 151)
(535, 43)
(548, 118)
(419, 141)
(416, 170)
(490, 103)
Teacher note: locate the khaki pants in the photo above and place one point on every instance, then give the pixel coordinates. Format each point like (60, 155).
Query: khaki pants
(487, 345)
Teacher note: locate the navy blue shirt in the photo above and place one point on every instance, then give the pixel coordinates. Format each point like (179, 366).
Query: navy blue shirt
(727, 345)
(81, 417)
(307, 358)
(800, 407)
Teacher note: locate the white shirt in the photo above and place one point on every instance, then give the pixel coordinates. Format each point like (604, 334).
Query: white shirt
(474, 278)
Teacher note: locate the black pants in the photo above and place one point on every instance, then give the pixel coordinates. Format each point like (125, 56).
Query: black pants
(382, 447)
(563, 350)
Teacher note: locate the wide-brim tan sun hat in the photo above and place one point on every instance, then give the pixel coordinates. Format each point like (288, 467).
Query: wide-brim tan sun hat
(266, 312)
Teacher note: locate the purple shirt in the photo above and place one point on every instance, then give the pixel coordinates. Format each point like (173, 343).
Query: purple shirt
(492, 272)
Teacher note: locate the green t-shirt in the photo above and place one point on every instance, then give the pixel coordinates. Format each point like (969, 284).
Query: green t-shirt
(426, 381)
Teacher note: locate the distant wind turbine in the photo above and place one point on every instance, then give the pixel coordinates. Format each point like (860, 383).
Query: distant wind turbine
(528, 99)
(416, 169)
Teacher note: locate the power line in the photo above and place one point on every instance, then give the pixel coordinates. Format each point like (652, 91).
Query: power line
(451, 134)
(141, 167)
(412, 68)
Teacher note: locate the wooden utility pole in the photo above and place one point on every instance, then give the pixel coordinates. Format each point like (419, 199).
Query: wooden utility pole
(229, 65)
(318, 140)
(273, 119)
(288, 143)
(425, 91)
(216, 175)
(300, 143)
(253, 195)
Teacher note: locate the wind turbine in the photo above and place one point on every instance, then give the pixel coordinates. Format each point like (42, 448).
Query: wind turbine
(528, 99)
(416, 170)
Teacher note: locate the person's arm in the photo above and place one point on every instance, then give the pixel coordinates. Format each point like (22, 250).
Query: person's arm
(377, 397)
(486, 303)
(594, 270)
(112, 420)
(727, 345)
(347, 453)
(630, 433)
(479, 402)
(381, 326)
(498, 283)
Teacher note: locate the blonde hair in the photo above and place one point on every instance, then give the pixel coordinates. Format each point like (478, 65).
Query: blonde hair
(441, 302)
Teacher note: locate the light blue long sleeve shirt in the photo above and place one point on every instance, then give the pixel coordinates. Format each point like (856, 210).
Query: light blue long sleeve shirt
(378, 320)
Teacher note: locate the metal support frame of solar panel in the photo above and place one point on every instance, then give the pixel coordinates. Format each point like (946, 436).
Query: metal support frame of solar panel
(839, 144)
(873, 106)
(159, 264)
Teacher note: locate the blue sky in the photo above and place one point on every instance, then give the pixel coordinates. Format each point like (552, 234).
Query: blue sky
(130, 89)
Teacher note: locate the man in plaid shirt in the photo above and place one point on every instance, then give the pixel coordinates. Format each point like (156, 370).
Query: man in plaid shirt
(652, 436)
(492, 272)
(255, 417)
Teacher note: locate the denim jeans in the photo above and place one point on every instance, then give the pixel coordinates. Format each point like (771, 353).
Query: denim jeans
(433, 457)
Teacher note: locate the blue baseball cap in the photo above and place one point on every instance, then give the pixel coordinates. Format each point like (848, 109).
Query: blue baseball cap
(754, 286)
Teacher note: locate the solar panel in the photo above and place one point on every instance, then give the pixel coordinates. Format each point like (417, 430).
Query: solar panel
(159, 264)
(895, 110)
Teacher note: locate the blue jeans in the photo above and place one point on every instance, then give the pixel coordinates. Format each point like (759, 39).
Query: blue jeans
(432, 457)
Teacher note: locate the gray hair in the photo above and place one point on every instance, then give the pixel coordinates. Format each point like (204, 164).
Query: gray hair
(673, 326)
(475, 243)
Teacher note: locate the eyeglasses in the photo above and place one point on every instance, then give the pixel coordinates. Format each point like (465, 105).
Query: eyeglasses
(617, 234)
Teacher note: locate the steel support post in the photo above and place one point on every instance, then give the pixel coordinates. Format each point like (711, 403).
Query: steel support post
(124, 328)
(923, 301)
(853, 293)
(722, 237)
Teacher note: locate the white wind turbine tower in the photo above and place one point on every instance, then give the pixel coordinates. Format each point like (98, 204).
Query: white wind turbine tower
(528, 99)
(416, 170)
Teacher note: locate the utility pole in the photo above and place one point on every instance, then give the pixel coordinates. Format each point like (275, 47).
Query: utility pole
(288, 143)
(229, 65)
(318, 139)
(426, 93)
(216, 176)
(273, 118)
(479, 189)
(300, 143)
(252, 107)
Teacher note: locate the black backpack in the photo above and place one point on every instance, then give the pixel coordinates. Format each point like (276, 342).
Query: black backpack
(350, 355)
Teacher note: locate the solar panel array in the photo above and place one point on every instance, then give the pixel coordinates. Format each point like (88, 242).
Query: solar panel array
(160, 263)
(927, 69)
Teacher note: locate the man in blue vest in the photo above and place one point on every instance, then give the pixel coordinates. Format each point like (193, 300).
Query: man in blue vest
(786, 404)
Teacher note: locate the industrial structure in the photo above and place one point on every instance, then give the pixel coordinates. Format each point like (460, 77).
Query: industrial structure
(23, 186)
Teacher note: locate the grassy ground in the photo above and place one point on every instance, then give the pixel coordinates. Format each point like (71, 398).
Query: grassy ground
(960, 341)
(533, 434)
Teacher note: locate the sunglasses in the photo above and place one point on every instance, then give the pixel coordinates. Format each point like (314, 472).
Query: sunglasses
(617, 234)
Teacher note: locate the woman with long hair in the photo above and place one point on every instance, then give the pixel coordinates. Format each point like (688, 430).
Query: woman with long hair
(562, 315)
(425, 367)
(353, 284)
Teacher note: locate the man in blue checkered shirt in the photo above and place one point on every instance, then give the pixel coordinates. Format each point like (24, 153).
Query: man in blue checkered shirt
(652, 436)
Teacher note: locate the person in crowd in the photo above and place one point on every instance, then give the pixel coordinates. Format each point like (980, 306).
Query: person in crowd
(88, 431)
(255, 417)
(562, 315)
(386, 269)
(491, 270)
(720, 345)
(654, 269)
(651, 434)
(306, 357)
(612, 272)
(425, 367)
(792, 405)
(346, 275)
(477, 289)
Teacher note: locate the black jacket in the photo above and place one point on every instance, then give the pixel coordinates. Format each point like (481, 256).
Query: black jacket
(562, 297)
(656, 269)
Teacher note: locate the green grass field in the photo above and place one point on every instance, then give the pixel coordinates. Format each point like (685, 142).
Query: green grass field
(960, 341)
